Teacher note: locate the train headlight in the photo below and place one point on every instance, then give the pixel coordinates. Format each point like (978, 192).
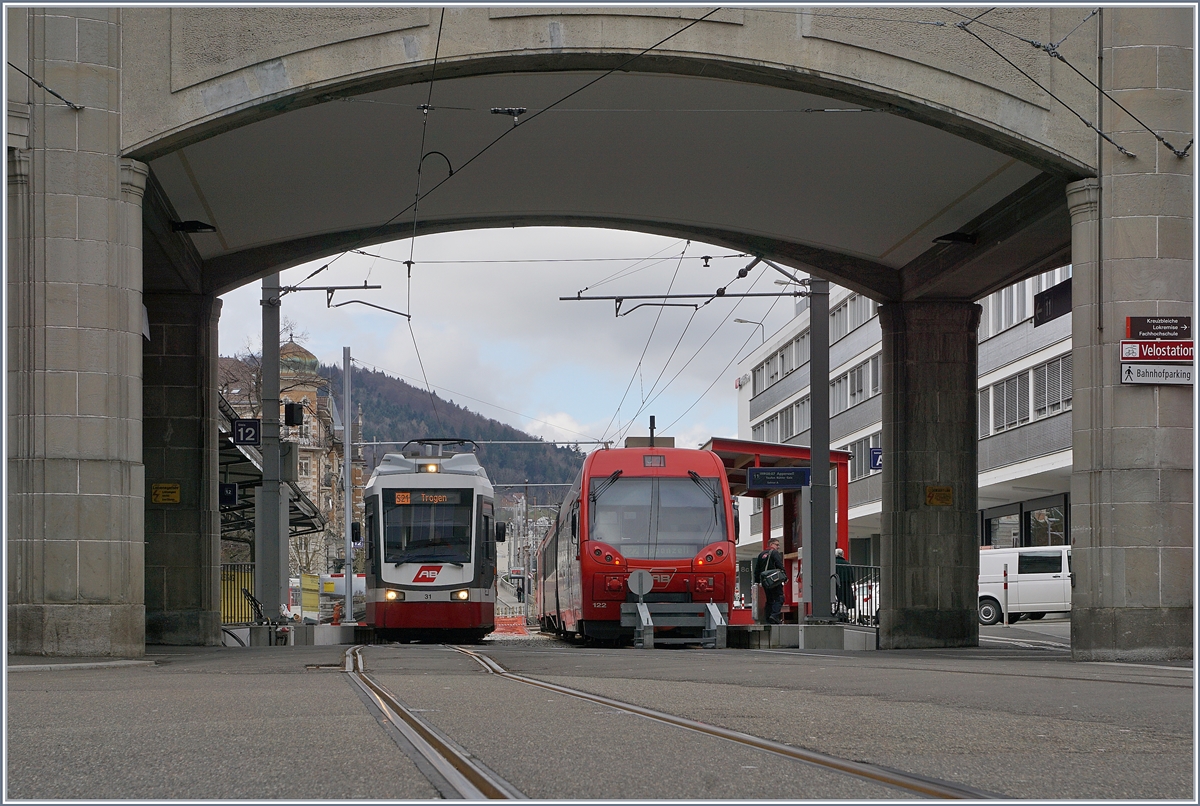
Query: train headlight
(460, 596)
(431, 468)
(394, 596)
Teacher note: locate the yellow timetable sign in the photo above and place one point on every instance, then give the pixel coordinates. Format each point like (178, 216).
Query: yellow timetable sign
(164, 493)
(939, 496)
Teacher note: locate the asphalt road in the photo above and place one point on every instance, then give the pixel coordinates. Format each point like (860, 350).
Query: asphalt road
(1014, 717)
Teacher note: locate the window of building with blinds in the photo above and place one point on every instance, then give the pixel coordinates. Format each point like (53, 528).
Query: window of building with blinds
(860, 456)
(1012, 402)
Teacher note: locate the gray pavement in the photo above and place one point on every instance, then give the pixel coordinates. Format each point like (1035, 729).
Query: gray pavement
(1015, 717)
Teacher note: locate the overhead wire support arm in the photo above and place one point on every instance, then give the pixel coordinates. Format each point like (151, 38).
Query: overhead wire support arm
(370, 305)
(619, 300)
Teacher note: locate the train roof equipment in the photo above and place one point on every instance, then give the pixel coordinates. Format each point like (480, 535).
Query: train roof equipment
(433, 456)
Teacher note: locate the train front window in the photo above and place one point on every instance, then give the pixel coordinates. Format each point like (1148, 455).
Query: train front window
(657, 519)
(427, 526)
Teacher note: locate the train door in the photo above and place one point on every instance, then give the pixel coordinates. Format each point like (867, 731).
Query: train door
(370, 518)
(574, 581)
(485, 542)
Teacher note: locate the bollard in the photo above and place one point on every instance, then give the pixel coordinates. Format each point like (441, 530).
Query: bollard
(1004, 613)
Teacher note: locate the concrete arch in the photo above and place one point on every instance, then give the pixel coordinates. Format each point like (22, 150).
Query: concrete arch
(940, 111)
(296, 132)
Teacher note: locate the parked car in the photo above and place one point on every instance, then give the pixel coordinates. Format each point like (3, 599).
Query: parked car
(1039, 582)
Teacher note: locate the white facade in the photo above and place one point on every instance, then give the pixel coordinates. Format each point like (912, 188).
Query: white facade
(1024, 411)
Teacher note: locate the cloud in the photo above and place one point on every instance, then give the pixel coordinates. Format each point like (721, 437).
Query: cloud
(497, 332)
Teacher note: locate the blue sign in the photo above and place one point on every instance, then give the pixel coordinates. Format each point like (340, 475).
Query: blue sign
(247, 432)
(227, 494)
(777, 478)
(877, 458)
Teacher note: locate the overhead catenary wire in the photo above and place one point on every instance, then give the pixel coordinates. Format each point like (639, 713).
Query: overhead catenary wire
(1086, 122)
(721, 373)
(415, 208)
(509, 131)
(502, 261)
(699, 349)
(647, 399)
(644, 349)
(75, 106)
(1051, 49)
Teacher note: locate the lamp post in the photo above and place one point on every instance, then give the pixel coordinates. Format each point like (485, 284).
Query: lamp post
(759, 324)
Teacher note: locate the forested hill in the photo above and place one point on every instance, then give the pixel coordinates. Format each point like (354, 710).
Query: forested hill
(395, 410)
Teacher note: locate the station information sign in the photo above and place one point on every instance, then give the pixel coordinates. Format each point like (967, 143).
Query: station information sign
(777, 478)
(1158, 327)
(1142, 350)
(1160, 351)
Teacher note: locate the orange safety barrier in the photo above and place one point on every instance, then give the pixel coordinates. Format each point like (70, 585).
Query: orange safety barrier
(511, 625)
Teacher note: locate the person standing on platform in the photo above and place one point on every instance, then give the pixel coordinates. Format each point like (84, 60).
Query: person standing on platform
(845, 579)
(769, 559)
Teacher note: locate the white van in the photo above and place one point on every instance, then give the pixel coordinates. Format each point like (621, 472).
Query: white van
(1039, 582)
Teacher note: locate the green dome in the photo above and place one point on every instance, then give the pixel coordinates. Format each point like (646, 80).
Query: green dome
(295, 360)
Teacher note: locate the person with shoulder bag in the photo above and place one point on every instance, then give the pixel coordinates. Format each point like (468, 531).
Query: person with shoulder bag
(770, 574)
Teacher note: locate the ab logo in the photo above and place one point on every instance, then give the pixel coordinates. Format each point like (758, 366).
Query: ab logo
(427, 573)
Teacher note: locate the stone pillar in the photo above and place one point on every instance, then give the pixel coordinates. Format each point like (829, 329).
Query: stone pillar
(74, 333)
(1131, 488)
(183, 524)
(930, 549)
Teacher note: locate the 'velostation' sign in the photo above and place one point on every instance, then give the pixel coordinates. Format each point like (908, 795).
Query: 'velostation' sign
(1158, 350)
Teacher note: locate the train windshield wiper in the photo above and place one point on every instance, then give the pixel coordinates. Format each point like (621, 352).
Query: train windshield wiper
(703, 485)
(599, 489)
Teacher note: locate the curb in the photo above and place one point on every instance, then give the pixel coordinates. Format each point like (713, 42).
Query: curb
(62, 667)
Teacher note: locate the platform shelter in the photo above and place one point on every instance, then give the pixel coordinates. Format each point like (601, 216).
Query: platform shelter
(738, 455)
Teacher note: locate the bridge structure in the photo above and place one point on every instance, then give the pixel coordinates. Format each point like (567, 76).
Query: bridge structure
(920, 156)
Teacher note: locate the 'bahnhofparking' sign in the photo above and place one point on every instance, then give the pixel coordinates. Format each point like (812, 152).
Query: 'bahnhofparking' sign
(1158, 361)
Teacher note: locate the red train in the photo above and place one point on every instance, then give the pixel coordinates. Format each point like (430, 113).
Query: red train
(667, 510)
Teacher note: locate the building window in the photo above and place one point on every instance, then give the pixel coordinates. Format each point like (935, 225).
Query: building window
(305, 464)
(1007, 404)
(801, 348)
(1010, 402)
(1052, 387)
(802, 416)
(856, 386)
(852, 313)
(785, 423)
(860, 456)
(838, 395)
(1012, 305)
(758, 432)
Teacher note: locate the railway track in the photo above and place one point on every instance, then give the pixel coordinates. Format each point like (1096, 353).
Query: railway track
(450, 768)
(456, 773)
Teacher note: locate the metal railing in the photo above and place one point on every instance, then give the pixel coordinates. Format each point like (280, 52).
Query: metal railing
(235, 607)
(855, 594)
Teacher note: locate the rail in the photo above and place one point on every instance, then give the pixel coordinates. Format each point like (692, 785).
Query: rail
(460, 773)
(909, 783)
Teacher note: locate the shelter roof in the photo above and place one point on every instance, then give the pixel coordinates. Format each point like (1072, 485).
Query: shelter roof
(738, 454)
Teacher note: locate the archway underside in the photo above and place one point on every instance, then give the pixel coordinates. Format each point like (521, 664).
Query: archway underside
(850, 192)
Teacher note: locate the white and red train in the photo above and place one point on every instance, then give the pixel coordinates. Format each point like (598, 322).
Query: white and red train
(431, 534)
(665, 510)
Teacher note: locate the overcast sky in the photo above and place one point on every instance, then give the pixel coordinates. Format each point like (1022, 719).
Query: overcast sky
(494, 337)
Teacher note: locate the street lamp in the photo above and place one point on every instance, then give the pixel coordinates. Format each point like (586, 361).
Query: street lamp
(760, 324)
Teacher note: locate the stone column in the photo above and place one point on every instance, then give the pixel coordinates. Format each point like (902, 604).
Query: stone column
(74, 332)
(1131, 488)
(183, 525)
(930, 549)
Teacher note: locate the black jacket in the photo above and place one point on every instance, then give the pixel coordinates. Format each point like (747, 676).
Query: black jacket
(767, 558)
